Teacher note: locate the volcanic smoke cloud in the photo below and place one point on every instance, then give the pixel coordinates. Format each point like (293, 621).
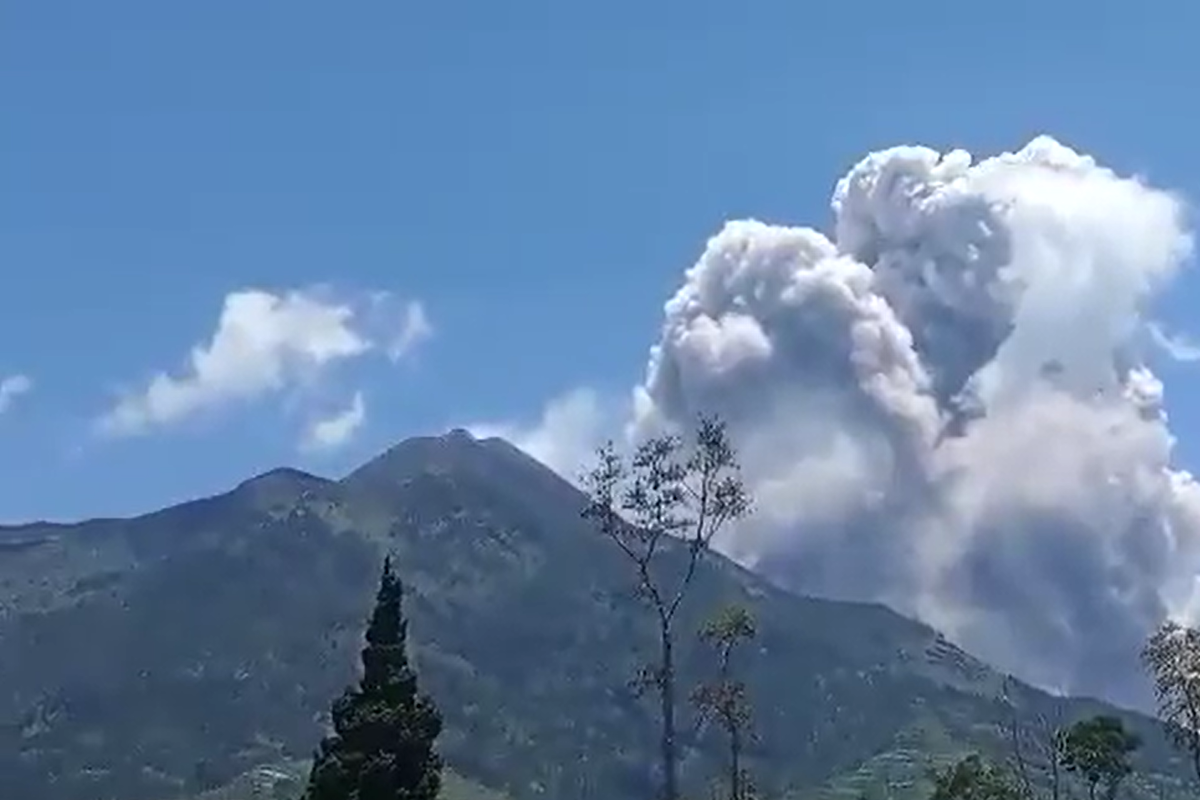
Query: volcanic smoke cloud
(945, 407)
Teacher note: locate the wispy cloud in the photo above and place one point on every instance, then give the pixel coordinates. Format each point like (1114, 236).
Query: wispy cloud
(336, 430)
(414, 329)
(1177, 346)
(13, 387)
(264, 343)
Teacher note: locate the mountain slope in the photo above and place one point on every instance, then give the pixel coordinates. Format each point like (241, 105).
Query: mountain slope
(167, 654)
(286, 781)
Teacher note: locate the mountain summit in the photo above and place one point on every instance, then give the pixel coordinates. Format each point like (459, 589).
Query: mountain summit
(458, 456)
(151, 657)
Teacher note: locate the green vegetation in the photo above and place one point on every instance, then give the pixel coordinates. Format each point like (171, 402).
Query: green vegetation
(382, 747)
(1098, 750)
(974, 779)
(287, 781)
(196, 649)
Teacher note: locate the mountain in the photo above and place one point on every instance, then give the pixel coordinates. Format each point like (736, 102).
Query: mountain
(166, 655)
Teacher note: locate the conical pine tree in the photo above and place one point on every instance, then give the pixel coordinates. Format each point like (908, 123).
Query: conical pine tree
(382, 747)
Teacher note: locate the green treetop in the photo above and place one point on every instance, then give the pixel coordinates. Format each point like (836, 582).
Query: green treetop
(382, 747)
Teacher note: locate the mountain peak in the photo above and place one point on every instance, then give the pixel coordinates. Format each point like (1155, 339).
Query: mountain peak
(457, 435)
(449, 452)
(493, 462)
(279, 486)
(280, 476)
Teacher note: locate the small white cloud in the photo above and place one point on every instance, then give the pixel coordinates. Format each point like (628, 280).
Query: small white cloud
(414, 330)
(263, 343)
(566, 436)
(1177, 346)
(337, 429)
(13, 387)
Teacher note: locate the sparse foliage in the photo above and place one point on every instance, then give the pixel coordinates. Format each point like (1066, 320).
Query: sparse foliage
(972, 778)
(1098, 751)
(662, 507)
(1172, 658)
(382, 747)
(724, 698)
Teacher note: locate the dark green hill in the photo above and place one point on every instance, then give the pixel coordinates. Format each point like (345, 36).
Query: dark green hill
(165, 655)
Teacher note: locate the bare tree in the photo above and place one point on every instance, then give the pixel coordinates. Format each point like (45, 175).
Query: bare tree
(725, 697)
(1036, 744)
(1172, 657)
(662, 508)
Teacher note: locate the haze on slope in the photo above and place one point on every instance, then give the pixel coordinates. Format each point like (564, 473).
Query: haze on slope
(945, 405)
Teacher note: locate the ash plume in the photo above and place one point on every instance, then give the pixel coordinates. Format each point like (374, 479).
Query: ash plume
(943, 404)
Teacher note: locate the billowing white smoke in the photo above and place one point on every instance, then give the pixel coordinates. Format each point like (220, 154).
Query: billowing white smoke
(945, 408)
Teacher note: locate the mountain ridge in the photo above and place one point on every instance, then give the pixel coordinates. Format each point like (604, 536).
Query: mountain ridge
(522, 625)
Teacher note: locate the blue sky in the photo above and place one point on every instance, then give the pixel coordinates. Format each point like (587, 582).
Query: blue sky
(537, 175)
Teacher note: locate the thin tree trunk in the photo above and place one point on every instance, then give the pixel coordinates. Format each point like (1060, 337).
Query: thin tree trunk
(1055, 767)
(667, 695)
(735, 765)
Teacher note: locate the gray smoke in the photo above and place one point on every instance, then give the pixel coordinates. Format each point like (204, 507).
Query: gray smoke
(945, 406)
